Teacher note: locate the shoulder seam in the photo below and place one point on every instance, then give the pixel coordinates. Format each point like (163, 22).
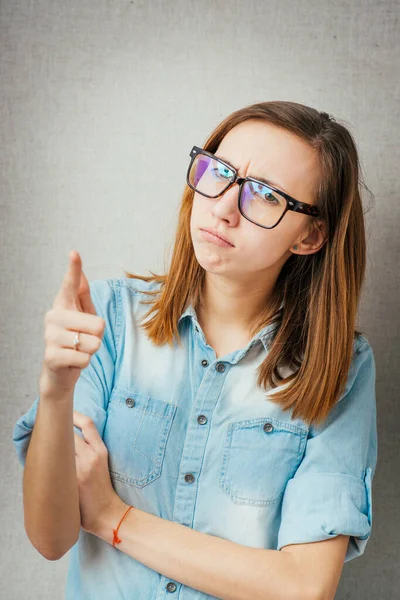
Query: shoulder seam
(361, 341)
(361, 345)
(120, 282)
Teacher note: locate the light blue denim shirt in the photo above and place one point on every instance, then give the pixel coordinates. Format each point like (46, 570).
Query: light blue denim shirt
(192, 439)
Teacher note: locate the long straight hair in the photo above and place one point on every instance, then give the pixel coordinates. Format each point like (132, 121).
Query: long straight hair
(315, 328)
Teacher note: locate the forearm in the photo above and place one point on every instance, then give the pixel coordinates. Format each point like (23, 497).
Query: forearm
(50, 487)
(202, 561)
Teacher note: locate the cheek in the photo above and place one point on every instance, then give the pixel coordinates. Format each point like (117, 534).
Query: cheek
(266, 246)
(195, 212)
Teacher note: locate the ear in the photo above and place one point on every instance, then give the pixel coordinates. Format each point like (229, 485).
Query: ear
(315, 239)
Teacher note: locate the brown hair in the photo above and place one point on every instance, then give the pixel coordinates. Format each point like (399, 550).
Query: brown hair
(315, 329)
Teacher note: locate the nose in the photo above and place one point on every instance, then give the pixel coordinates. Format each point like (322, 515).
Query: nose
(227, 207)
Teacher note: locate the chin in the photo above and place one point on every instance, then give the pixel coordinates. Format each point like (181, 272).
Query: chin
(209, 260)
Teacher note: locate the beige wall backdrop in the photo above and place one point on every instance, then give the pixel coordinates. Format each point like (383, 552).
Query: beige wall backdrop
(101, 103)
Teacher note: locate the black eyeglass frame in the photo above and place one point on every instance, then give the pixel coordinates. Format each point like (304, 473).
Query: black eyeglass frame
(291, 203)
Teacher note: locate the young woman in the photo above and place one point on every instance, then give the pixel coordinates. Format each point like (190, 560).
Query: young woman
(224, 440)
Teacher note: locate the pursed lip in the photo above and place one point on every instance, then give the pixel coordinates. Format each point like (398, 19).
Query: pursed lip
(215, 232)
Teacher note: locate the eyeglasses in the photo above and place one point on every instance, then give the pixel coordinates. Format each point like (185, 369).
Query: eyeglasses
(261, 203)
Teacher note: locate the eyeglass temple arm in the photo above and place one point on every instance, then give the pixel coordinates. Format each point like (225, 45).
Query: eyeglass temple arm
(301, 207)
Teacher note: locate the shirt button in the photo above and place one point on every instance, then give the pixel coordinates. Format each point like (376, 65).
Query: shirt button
(201, 419)
(268, 427)
(196, 328)
(204, 362)
(189, 477)
(220, 367)
(130, 402)
(171, 587)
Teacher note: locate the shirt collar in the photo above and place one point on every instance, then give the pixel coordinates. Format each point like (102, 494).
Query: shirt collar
(265, 334)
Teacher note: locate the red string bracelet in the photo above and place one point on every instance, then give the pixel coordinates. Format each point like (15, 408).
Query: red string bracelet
(116, 539)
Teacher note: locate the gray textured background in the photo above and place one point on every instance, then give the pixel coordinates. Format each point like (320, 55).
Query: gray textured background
(97, 99)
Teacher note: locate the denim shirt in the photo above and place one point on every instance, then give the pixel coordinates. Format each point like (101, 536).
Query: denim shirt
(193, 439)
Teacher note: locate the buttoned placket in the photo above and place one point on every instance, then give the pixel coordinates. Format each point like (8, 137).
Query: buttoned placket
(197, 434)
(195, 445)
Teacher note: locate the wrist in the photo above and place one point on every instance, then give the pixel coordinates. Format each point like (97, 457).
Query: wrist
(110, 519)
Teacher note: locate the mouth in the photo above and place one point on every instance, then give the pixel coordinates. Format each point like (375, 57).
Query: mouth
(211, 236)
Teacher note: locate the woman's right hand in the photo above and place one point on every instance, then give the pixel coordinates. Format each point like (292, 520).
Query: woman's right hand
(72, 311)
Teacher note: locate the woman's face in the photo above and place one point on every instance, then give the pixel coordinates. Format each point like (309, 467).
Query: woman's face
(257, 149)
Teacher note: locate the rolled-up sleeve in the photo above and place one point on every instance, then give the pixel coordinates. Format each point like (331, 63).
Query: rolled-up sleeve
(331, 491)
(93, 388)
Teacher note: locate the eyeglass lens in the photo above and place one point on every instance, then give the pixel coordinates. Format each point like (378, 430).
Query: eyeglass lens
(258, 202)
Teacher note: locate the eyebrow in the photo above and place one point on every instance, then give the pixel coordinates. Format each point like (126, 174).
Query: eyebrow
(262, 179)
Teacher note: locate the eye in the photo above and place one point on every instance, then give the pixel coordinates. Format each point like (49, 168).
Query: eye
(264, 193)
(269, 197)
(221, 172)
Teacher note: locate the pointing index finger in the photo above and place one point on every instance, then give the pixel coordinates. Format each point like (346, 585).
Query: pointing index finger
(68, 293)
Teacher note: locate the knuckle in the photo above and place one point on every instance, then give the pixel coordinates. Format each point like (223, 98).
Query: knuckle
(97, 459)
(86, 421)
(50, 333)
(101, 325)
(104, 451)
(49, 354)
(49, 316)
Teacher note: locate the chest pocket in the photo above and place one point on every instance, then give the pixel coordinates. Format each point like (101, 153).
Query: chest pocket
(136, 434)
(259, 456)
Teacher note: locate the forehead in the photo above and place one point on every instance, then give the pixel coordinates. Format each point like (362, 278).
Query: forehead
(256, 148)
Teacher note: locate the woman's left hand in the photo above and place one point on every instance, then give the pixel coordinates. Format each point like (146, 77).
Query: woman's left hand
(96, 493)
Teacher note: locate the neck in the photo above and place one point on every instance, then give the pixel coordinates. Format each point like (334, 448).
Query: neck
(232, 305)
